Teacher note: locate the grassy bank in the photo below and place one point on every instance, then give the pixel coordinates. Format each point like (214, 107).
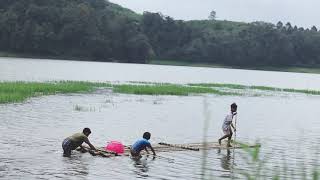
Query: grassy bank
(181, 63)
(314, 70)
(51, 57)
(20, 91)
(8, 54)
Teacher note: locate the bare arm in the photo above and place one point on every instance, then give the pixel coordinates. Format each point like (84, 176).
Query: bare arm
(234, 116)
(88, 142)
(233, 127)
(154, 153)
(81, 147)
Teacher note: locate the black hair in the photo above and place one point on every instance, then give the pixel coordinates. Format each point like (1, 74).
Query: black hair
(234, 106)
(86, 131)
(146, 135)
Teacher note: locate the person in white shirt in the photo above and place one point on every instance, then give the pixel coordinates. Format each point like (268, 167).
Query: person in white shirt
(227, 124)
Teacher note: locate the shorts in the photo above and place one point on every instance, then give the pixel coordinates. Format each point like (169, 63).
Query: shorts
(134, 153)
(227, 131)
(67, 147)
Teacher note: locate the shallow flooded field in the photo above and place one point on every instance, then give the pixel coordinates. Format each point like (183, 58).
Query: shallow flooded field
(287, 128)
(286, 124)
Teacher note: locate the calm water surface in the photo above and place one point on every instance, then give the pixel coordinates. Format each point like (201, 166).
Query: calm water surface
(16, 69)
(287, 126)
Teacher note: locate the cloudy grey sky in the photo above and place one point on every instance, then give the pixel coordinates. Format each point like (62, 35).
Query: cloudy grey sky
(303, 13)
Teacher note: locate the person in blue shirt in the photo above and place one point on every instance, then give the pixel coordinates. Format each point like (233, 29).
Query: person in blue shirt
(141, 144)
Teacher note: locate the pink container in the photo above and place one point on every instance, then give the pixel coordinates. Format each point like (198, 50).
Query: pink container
(115, 146)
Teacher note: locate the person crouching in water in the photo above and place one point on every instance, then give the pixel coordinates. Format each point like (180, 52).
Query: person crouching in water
(141, 144)
(227, 124)
(76, 140)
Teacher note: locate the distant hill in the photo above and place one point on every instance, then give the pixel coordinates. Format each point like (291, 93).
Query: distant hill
(85, 29)
(99, 30)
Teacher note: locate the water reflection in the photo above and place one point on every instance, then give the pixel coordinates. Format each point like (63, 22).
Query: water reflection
(226, 163)
(75, 166)
(141, 165)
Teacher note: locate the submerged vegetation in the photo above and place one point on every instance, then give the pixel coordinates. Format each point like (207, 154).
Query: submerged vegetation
(19, 91)
(251, 163)
(258, 168)
(262, 88)
(167, 89)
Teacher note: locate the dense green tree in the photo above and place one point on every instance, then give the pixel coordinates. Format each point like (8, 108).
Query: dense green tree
(90, 29)
(314, 28)
(212, 15)
(100, 30)
(279, 25)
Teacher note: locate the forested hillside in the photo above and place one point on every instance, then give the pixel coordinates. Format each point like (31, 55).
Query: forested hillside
(92, 29)
(100, 30)
(232, 43)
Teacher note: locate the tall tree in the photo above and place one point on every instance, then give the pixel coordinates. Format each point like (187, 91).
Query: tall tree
(212, 15)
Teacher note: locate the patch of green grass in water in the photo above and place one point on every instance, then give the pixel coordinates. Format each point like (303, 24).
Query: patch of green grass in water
(11, 92)
(167, 89)
(305, 91)
(263, 88)
(231, 86)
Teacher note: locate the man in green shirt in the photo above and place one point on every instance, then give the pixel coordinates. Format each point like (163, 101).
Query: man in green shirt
(76, 140)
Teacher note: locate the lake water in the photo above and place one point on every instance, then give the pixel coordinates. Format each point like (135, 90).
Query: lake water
(287, 126)
(16, 69)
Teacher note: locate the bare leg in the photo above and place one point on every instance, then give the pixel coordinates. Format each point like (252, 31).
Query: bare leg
(222, 138)
(229, 138)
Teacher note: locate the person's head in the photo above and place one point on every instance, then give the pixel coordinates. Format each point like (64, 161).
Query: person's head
(146, 135)
(234, 107)
(86, 131)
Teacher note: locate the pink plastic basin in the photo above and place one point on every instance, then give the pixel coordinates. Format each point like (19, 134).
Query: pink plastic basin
(115, 146)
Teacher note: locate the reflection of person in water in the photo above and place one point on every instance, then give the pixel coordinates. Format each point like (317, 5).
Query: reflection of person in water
(141, 166)
(225, 159)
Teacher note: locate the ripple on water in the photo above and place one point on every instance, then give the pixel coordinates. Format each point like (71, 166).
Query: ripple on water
(34, 132)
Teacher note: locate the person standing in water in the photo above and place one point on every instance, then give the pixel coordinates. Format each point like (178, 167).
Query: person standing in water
(227, 124)
(141, 144)
(76, 140)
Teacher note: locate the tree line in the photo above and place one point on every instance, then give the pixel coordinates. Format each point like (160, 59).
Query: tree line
(91, 29)
(100, 30)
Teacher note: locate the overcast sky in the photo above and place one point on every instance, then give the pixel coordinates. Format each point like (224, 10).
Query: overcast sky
(303, 13)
